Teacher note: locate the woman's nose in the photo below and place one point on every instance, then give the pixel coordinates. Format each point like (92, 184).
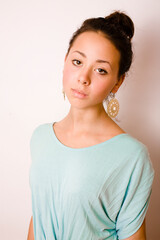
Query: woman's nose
(84, 77)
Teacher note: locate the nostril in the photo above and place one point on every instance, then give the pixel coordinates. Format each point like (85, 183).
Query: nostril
(85, 82)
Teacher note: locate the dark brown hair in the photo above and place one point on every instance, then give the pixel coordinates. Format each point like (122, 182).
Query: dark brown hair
(118, 28)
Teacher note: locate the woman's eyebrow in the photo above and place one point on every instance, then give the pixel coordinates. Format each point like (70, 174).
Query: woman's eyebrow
(81, 53)
(98, 60)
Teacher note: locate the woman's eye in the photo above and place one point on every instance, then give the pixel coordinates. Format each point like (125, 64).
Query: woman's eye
(101, 71)
(76, 62)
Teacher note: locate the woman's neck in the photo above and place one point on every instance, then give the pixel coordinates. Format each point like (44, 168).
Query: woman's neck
(82, 120)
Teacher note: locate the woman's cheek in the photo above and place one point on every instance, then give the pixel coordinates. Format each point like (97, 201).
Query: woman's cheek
(66, 76)
(103, 89)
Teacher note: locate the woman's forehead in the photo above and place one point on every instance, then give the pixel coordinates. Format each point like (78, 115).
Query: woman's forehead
(95, 45)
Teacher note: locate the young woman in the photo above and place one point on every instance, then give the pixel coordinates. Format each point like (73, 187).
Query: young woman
(90, 180)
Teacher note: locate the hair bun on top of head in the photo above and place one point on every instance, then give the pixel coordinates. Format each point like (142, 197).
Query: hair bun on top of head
(118, 28)
(123, 22)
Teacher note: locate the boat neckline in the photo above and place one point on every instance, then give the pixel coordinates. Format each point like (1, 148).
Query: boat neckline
(89, 147)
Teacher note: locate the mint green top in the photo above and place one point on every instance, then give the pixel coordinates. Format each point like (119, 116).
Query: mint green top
(92, 193)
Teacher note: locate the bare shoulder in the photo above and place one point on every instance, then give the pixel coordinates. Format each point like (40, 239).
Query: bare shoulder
(103, 131)
(60, 128)
(112, 128)
(108, 126)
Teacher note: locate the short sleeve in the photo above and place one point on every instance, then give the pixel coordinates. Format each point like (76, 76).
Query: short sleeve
(137, 196)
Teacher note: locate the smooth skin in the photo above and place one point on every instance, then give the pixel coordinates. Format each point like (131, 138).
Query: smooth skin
(91, 67)
(31, 230)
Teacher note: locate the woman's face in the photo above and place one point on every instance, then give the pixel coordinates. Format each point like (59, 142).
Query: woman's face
(90, 70)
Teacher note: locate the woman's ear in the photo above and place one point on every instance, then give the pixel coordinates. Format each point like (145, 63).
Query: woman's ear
(118, 84)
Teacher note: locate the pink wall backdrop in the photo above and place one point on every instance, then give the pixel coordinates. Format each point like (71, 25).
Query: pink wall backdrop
(34, 37)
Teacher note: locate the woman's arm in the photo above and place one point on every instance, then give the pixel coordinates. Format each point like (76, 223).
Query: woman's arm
(30, 231)
(139, 235)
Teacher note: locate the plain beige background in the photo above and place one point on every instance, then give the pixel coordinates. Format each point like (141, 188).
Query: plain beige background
(34, 36)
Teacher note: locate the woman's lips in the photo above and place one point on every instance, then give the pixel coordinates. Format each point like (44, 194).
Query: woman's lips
(78, 93)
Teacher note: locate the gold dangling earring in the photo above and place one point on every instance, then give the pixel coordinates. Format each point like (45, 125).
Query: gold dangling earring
(63, 94)
(113, 105)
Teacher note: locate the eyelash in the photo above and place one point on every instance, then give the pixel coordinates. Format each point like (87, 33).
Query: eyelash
(75, 60)
(104, 71)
